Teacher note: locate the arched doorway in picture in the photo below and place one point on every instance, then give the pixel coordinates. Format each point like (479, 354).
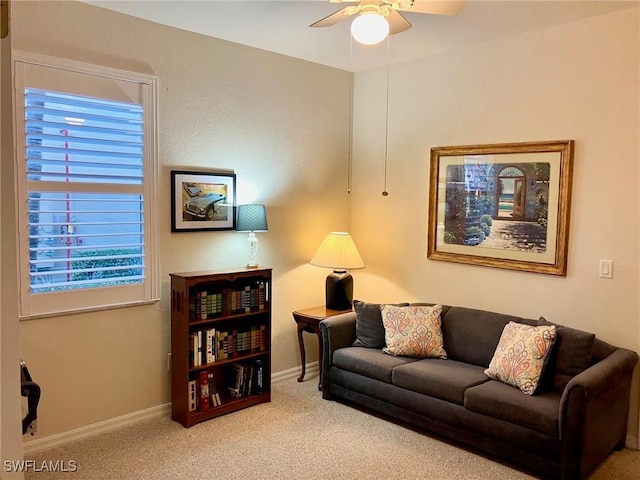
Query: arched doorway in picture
(511, 193)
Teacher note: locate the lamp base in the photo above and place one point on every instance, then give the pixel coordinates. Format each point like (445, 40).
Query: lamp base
(252, 241)
(339, 290)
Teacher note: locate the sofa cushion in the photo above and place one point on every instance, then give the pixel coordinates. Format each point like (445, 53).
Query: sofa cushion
(471, 336)
(369, 329)
(521, 355)
(443, 379)
(413, 331)
(570, 355)
(498, 400)
(369, 362)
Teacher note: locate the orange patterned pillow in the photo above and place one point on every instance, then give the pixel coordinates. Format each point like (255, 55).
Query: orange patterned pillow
(521, 355)
(413, 331)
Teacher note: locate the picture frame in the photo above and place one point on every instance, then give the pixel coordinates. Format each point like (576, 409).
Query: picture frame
(202, 201)
(501, 205)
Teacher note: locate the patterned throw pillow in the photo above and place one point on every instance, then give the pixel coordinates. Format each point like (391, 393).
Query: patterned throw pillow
(413, 331)
(521, 355)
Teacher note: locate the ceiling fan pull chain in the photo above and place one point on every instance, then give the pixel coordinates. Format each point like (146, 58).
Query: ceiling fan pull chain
(350, 158)
(386, 128)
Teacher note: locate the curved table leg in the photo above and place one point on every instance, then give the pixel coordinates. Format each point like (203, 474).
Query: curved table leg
(301, 327)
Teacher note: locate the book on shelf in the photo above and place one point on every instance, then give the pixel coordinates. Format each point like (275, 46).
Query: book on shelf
(222, 345)
(199, 356)
(248, 378)
(262, 295)
(203, 380)
(210, 334)
(193, 396)
(259, 374)
(254, 335)
(203, 305)
(213, 392)
(194, 357)
(263, 337)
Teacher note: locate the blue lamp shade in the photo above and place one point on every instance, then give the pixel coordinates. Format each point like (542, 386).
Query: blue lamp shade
(252, 218)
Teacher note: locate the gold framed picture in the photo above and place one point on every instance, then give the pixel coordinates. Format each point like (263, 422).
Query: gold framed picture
(501, 205)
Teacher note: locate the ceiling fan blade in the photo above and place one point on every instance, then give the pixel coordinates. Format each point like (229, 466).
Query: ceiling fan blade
(397, 22)
(334, 18)
(434, 7)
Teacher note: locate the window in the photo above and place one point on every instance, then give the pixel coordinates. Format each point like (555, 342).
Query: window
(86, 176)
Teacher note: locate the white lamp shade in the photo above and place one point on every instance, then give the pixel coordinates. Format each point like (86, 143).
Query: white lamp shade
(369, 29)
(339, 252)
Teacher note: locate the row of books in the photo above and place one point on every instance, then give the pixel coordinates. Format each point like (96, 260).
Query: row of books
(243, 379)
(205, 304)
(203, 394)
(210, 345)
(246, 379)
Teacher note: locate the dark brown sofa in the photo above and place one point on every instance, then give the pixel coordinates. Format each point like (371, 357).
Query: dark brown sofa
(564, 431)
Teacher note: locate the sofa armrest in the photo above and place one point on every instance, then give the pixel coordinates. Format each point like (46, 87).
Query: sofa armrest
(594, 410)
(337, 332)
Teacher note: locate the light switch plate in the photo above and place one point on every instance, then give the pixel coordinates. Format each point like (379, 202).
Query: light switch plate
(606, 268)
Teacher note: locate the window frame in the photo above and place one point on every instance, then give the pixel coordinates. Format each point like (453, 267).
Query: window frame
(145, 88)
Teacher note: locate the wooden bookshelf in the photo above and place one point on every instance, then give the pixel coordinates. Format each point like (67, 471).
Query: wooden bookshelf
(233, 309)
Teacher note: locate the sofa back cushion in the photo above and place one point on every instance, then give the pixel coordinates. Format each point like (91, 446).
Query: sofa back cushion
(471, 336)
(369, 328)
(570, 355)
(601, 350)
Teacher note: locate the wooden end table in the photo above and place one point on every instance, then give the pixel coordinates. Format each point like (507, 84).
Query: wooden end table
(308, 320)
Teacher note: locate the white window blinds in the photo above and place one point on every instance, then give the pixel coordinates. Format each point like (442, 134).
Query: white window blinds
(81, 240)
(87, 180)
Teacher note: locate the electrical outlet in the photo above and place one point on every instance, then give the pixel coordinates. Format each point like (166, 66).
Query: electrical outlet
(168, 361)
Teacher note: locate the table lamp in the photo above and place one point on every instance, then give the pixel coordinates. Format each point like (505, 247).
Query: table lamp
(252, 218)
(338, 252)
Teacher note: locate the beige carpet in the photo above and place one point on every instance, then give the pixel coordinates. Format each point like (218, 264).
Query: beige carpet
(296, 436)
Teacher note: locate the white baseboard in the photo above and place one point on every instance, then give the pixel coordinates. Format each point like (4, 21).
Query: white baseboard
(311, 368)
(87, 431)
(632, 442)
(82, 433)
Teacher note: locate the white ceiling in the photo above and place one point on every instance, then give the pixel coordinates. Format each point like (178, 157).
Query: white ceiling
(283, 26)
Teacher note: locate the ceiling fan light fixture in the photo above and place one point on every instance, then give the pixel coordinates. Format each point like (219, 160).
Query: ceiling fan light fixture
(369, 28)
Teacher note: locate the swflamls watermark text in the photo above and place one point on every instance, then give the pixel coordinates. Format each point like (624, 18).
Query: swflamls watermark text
(61, 466)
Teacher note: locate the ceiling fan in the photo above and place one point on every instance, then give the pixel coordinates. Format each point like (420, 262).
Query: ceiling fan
(378, 18)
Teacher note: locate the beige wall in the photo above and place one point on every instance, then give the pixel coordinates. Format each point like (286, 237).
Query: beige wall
(575, 81)
(281, 124)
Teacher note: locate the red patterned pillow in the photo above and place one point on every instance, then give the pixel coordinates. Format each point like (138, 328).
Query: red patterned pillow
(521, 355)
(413, 331)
